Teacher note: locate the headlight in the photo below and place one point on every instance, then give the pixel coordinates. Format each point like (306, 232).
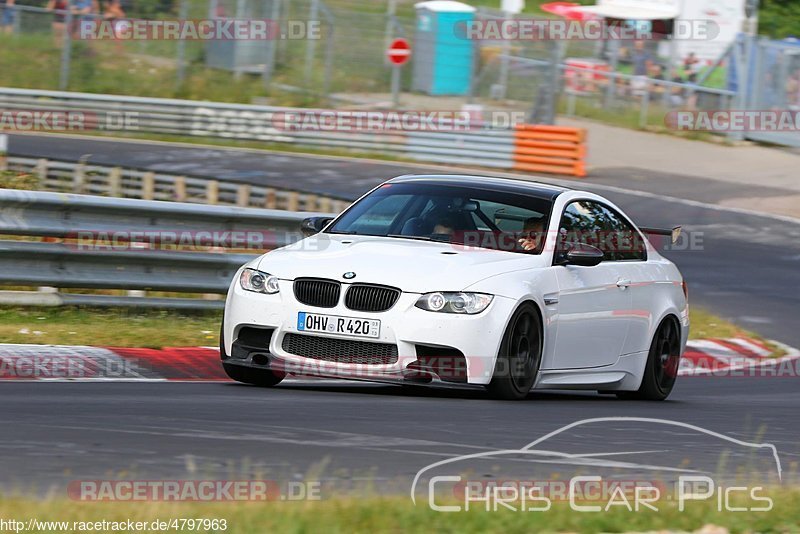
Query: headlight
(464, 303)
(258, 282)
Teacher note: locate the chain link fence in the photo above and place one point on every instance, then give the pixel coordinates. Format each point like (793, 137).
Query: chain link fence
(774, 71)
(318, 49)
(345, 64)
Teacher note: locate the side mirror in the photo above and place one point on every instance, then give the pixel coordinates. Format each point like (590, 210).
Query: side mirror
(584, 256)
(314, 225)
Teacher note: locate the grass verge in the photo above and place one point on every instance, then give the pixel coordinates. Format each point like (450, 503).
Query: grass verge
(156, 329)
(14, 180)
(398, 514)
(108, 327)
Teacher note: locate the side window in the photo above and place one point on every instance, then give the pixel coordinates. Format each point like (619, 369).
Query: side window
(621, 240)
(594, 224)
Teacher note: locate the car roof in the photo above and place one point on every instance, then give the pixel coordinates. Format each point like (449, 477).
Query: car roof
(506, 185)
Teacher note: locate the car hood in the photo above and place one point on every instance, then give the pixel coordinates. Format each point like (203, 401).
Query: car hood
(413, 266)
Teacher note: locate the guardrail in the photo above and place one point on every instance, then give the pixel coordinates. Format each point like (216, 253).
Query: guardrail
(90, 179)
(75, 241)
(476, 143)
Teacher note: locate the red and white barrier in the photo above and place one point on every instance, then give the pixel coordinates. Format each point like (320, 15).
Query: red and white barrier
(718, 357)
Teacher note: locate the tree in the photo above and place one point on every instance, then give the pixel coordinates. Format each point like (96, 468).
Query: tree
(779, 18)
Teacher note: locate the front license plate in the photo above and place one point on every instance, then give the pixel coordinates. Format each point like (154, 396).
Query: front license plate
(332, 324)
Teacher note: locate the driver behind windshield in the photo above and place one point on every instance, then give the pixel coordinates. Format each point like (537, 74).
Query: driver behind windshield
(533, 234)
(445, 228)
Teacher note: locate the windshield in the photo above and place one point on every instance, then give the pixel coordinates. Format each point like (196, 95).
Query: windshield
(455, 214)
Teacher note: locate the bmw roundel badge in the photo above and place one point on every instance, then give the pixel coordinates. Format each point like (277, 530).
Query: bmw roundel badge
(349, 275)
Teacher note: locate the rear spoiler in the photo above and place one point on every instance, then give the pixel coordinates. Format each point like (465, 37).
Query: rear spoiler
(674, 234)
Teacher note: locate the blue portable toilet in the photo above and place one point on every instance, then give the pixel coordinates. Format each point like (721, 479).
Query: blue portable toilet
(443, 56)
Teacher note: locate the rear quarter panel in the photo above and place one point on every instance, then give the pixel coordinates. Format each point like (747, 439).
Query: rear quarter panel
(658, 295)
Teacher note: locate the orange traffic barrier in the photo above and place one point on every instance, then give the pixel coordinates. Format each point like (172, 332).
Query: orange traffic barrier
(550, 149)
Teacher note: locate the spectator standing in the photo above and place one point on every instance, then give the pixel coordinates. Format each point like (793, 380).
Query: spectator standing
(82, 10)
(59, 7)
(7, 17)
(657, 73)
(677, 93)
(113, 12)
(642, 59)
(691, 65)
(642, 65)
(115, 15)
(793, 90)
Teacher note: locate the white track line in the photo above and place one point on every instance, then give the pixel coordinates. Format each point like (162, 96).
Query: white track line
(749, 345)
(720, 352)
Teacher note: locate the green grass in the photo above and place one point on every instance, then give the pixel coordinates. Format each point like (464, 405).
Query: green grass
(399, 515)
(707, 325)
(14, 180)
(114, 328)
(146, 328)
(32, 62)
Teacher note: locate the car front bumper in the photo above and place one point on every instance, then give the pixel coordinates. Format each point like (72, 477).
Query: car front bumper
(412, 330)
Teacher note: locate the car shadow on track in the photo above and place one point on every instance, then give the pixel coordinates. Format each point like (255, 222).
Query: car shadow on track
(417, 391)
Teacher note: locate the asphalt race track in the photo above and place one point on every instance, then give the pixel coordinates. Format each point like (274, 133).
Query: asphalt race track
(747, 269)
(58, 432)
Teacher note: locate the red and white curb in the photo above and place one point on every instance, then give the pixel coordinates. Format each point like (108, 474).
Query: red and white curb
(718, 357)
(78, 362)
(738, 357)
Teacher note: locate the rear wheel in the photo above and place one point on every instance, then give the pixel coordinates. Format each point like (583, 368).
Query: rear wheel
(520, 356)
(663, 361)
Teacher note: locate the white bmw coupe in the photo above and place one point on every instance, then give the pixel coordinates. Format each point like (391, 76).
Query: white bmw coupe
(464, 280)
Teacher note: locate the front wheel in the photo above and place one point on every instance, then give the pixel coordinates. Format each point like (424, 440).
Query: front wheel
(520, 356)
(663, 361)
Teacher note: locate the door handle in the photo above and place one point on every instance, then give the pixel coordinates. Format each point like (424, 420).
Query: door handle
(623, 284)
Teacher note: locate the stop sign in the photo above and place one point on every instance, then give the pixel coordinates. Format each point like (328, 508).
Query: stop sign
(399, 51)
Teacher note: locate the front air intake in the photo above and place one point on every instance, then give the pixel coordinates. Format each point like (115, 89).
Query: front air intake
(340, 350)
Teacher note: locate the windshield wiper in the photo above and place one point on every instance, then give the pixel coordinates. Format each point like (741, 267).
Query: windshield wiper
(414, 237)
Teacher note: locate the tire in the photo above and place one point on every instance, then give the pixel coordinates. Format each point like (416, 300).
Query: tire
(520, 356)
(246, 375)
(255, 377)
(663, 361)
